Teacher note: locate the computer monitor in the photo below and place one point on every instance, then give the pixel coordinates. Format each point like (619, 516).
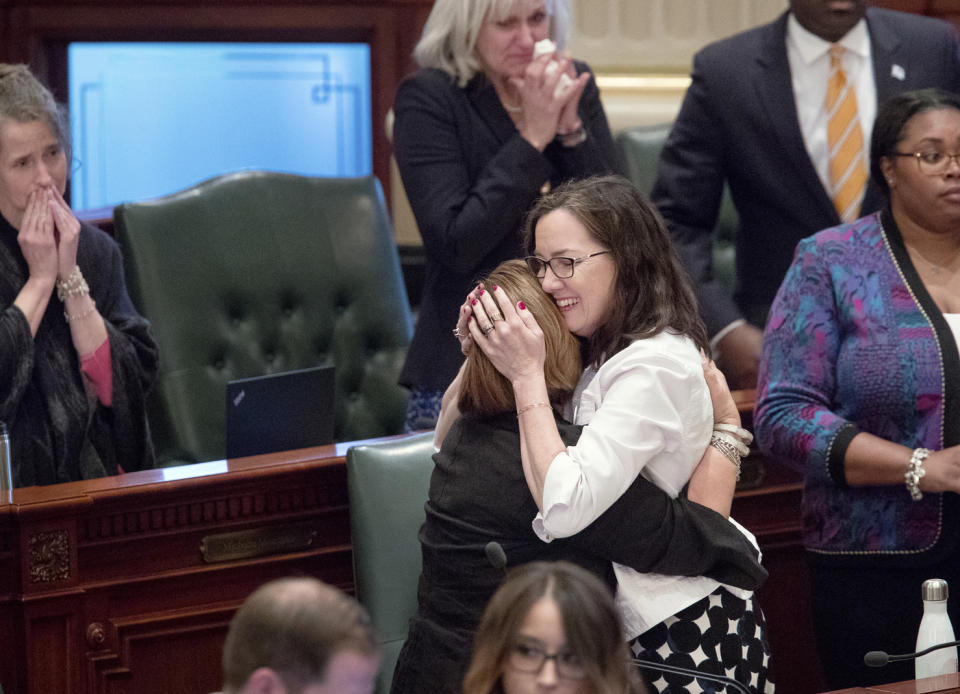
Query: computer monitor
(150, 119)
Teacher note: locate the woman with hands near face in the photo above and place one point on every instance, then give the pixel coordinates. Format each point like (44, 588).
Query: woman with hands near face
(482, 128)
(76, 360)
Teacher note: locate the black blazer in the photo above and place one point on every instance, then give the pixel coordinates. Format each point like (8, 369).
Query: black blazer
(478, 494)
(471, 178)
(738, 124)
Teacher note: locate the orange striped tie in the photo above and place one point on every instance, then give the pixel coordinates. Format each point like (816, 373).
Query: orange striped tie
(848, 168)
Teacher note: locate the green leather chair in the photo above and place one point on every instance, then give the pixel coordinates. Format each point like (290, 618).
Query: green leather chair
(640, 148)
(388, 485)
(252, 273)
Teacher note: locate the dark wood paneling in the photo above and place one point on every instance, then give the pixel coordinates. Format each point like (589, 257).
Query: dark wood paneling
(108, 589)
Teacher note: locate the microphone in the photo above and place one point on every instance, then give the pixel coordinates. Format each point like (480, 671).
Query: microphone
(689, 672)
(881, 658)
(496, 556)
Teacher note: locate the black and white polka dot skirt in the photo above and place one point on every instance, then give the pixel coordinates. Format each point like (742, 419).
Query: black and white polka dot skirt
(721, 635)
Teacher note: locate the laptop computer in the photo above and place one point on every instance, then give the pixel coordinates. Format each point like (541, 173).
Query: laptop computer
(280, 412)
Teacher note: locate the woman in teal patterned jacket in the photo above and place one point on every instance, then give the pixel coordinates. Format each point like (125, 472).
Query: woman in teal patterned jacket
(860, 391)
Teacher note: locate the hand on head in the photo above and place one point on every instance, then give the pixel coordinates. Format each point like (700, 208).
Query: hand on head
(506, 332)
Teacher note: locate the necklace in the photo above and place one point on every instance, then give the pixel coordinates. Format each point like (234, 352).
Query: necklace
(937, 270)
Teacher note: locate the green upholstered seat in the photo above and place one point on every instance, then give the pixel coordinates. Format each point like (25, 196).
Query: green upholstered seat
(640, 148)
(254, 272)
(388, 485)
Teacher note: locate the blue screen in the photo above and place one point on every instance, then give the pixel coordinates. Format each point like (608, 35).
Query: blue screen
(150, 119)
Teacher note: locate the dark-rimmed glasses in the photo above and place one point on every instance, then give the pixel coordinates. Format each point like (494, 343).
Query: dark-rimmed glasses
(562, 266)
(528, 657)
(931, 163)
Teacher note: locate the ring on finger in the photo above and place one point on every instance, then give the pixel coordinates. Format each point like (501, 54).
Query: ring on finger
(456, 332)
(496, 317)
(486, 330)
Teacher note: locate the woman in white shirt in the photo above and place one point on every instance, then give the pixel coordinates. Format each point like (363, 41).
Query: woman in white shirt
(601, 250)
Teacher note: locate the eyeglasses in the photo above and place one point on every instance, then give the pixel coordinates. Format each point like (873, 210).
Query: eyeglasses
(931, 163)
(562, 266)
(526, 657)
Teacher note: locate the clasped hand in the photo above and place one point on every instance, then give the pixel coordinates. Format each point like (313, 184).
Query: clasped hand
(48, 236)
(505, 331)
(548, 110)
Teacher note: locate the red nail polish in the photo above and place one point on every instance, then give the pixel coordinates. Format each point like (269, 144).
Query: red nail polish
(480, 293)
(495, 287)
(473, 302)
(523, 306)
(469, 318)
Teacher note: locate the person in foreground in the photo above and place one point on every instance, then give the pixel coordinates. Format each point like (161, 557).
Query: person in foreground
(551, 627)
(300, 636)
(76, 360)
(603, 254)
(860, 391)
(480, 130)
(478, 496)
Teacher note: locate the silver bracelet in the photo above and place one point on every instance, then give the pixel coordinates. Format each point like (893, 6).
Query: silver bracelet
(742, 448)
(739, 432)
(915, 472)
(74, 285)
(729, 451)
(567, 139)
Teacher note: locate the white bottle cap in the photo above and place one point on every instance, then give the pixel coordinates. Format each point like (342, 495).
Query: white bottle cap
(935, 589)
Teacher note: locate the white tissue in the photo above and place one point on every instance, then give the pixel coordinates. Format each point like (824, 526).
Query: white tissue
(548, 46)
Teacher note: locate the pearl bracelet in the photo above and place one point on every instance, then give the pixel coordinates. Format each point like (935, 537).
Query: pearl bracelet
(915, 472)
(81, 316)
(74, 285)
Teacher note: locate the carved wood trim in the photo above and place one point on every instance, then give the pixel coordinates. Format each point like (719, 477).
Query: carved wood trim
(49, 556)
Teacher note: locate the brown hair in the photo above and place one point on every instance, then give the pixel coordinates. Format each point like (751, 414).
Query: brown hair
(24, 99)
(590, 622)
(652, 291)
(294, 626)
(485, 390)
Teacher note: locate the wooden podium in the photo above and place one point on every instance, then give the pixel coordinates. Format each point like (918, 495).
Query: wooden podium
(127, 584)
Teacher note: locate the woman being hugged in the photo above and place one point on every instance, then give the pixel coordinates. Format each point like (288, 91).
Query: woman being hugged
(859, 390)
(76, 361)
(481, 129)
(603, 253)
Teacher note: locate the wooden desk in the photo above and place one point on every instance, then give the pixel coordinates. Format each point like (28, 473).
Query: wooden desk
(929, 685)
(127, 584)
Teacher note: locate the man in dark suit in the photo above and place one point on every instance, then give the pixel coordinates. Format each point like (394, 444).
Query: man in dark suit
(754, 118)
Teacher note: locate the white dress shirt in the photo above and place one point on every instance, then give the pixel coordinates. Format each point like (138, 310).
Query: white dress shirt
(646, 411)
(809, 59)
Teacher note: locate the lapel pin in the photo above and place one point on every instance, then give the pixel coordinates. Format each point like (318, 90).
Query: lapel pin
(897, 72)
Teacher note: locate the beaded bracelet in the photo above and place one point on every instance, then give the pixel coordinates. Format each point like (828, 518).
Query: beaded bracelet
(915, 471)
(729, 451)
(74, 285)
(81, 316)
(531, 406)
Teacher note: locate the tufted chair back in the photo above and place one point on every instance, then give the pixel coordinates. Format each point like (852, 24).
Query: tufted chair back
(252, 273)
(640, 148)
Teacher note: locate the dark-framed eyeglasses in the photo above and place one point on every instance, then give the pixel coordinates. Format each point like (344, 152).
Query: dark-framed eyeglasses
(931, 163)
(528, 657)
(561, 266)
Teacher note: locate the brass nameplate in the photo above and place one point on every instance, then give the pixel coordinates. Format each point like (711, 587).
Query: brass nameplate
(259, 542)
